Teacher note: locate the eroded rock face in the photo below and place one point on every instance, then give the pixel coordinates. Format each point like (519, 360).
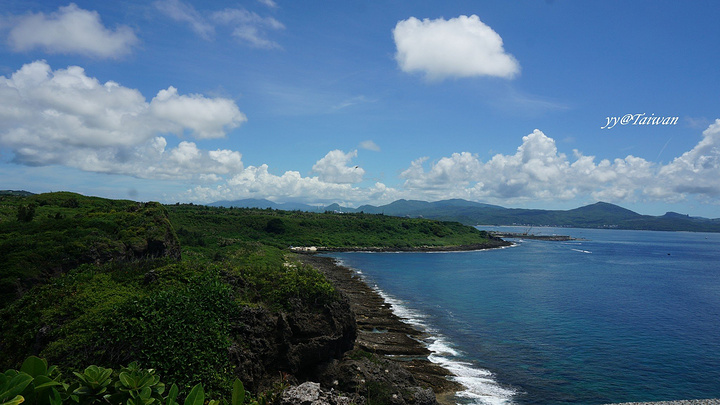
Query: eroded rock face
(296, 342)
(318, 337)
(376, 378)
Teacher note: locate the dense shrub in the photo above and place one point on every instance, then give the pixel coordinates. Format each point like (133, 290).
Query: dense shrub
(182, 332)
(37, 384)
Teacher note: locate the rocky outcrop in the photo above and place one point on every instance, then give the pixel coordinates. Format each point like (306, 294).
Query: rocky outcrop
(377, 379)
(268, 344)
(310, 393)
(354, 348)
(155, 236)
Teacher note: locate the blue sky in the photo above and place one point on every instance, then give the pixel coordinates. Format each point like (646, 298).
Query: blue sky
(365, 102)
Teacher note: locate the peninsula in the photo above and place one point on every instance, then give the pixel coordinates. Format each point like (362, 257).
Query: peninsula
(207, 294)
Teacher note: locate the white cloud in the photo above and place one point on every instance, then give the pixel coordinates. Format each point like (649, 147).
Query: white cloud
(696, 171)
(258, 182)
(370, 145)
(537, 171)
(183, 12)
(70, 30)
(333, 168)
(333, 184)
(455, 171)
(268, 3)
(458, 47)
(66, 117)
(205, 117)
(247, 27)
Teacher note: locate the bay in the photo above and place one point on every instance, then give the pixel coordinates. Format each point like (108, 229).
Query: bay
(618, 317)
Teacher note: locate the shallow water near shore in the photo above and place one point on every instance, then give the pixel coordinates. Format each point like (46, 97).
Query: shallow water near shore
(623, 316)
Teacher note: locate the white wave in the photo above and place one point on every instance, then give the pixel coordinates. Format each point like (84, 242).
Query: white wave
(440, 347)
(410, 316)
(581, 251)
(480, 388)
(479, 385)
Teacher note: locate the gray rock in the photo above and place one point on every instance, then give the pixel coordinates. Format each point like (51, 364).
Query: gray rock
(310, 393)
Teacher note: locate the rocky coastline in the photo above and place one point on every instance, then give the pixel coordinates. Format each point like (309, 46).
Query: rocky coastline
(493, 243)
(388, 358)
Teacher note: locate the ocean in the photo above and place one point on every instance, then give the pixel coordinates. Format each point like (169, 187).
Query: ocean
(621, 316)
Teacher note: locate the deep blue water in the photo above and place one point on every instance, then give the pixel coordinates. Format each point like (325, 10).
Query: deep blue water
(624, 316)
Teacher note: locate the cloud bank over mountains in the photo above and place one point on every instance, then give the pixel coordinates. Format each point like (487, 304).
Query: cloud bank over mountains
(536, 171)
(65, 117)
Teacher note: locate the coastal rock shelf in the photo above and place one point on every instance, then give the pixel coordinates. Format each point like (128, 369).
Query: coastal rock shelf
(493, 243)
(552, 238)
(398, 357)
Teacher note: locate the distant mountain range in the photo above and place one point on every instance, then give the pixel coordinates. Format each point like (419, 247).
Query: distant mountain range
(598, 215)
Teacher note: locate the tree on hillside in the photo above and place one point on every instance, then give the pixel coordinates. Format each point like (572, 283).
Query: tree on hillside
(26, 213)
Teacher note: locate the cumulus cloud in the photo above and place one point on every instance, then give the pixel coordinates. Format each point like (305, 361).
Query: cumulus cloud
(258, 182)
(696, 171)
(537, 171)
(334, 183)
(205, 117)
(458, 47)
(66, 117)
(334, 168)
(454, 171)
(70, 30)
(247, 27)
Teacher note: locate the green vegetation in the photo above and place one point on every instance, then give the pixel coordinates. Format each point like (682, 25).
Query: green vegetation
(37, 384)
(203, 227)
(44, 235)
(94, 281)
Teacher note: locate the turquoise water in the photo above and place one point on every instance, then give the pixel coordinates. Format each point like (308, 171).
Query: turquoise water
(623, 316)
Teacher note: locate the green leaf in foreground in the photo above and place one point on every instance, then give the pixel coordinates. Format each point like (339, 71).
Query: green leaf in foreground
(238, 393)
(196, 396)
